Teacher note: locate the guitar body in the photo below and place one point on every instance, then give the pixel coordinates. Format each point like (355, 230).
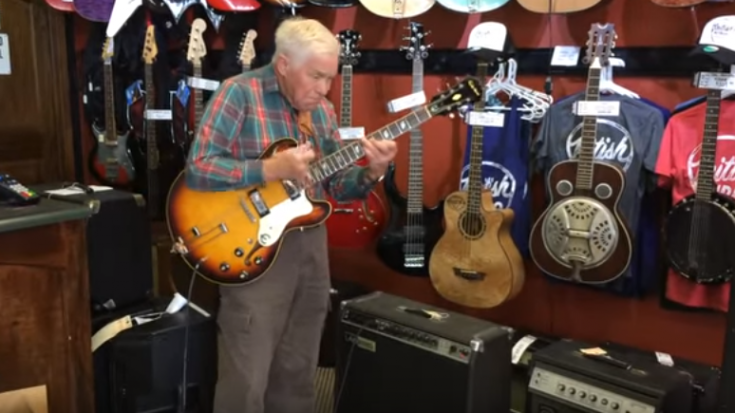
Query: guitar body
(356, 224)
(476, 263)
(112, 164)
(699, 239)
(61, 5)
(395, 246)
(94, 10)
(225, 236)
(234, 5)
(335, 4)
(473, 6)
(398, 9)
(156, 6)
(582, 225)
(678, 3)
(558, 6)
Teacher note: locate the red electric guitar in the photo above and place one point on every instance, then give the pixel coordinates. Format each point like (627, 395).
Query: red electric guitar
(355, 224)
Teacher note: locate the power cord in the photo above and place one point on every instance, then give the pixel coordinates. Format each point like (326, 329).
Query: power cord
(185, 363)
(346, 370)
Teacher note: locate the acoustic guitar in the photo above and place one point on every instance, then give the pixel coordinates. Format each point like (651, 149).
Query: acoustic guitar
(476, 263)
(473, 6)
(698, 234)
(237, 6)
(111, 160)
(557, 6)
(333, 4)
(678, 3)
(62, 5)
(398, 9)
(233, 237)
(353, 224)
(95, 10)
(413, 229)
(581, 236)
(179, 7)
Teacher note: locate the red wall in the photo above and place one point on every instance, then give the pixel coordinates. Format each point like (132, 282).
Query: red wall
(561, 310)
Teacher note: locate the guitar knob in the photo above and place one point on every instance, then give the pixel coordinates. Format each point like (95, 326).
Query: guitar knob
(238, 252)
(224, 267)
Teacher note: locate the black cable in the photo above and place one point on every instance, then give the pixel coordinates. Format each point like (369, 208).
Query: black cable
(346, 369)
(185, 362)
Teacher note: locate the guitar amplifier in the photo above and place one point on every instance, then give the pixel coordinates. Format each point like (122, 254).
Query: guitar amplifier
(564, 379)
(395, 355)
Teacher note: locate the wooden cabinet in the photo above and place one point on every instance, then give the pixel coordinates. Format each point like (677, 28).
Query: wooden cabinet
(35, 120)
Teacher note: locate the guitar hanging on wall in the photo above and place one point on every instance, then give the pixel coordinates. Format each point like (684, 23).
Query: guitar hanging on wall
(353, 224)
(233, 237)
(557, 6)
(473, 6)
(476, 263)
(581, 236)
(405, 246)
(698, 232)
(150, 51)
(110, 161)
(246, 55)
(195, 54)
(398, 9)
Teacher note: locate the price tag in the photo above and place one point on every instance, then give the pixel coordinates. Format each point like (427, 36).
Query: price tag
(203, 84)
(488, 35)
(565, 56)
(407, 102)
(597, 108)
(491, 119)
(351, 133)
(664, 359)
(520, 348)
(157, 114)
(716, 81)
(4, 54)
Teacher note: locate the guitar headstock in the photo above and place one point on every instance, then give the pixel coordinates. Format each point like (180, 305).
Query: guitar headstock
(464, 93)
(108, 50)
(247, 48)
(349, 40)
(197, 48)
(150, 48)
(416, 47)
(600, 44)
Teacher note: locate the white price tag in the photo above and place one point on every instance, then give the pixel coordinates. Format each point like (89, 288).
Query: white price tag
(565, 56)
(158, 114)
(664, 359)
(520, 348)
(597, 108)
(488, 35)
(407, 102)
(491, 119)
(714, 80)
(203, 84)
(4, 54)
(351, 133)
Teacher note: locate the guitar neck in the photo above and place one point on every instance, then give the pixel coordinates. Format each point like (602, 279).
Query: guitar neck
(198, 97)
(345, 116)
(151, 142)
(415, 196)
(352, 152)
(586, 158)
(474, 187)
(110, 123)
(706, 185)
(245, 67)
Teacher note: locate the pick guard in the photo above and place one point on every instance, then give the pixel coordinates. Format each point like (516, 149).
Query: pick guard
(272, 225)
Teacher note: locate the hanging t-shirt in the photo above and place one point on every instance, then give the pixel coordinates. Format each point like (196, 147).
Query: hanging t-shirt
(630, 140)
(505, 153)
(678, 164)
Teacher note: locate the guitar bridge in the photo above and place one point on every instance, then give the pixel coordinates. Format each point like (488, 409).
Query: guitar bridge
(469, 275)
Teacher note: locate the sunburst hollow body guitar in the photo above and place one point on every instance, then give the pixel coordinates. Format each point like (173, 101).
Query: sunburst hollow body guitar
(233, 237)
(581, 236)
(476, 263)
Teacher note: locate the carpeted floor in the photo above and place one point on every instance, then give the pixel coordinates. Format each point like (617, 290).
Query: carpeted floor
(324, 384)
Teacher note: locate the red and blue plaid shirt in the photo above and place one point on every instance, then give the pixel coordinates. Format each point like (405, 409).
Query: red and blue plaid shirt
(245, 115)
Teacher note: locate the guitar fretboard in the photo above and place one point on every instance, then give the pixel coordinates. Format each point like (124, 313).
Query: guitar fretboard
(586, 157)
(198, 96)
(415, 196)
(706, 185)
(110, 124)
(475, 184)
(151, 143)
(345, 115)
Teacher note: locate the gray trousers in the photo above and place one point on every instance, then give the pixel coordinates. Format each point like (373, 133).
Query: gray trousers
(269, 331)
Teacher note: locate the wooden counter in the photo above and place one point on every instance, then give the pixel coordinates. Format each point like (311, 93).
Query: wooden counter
(44, 304)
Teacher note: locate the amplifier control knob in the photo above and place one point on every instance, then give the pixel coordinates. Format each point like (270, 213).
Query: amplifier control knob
(593, 398)
(604, 402)
(572, 390)
(582, 395)
(614, 406)
(561, 387)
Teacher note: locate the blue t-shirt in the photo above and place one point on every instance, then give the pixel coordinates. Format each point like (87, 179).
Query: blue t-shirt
(505, 157)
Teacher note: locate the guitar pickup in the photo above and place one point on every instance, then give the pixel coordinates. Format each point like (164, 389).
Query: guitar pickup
(260, 207)
(291, 190)
(469, 275)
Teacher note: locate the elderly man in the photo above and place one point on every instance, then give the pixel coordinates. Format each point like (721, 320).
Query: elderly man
(269, 331)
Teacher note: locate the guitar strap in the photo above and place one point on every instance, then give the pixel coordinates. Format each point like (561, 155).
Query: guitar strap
(306, 134)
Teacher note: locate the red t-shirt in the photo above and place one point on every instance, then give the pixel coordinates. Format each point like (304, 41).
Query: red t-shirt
(678, 166)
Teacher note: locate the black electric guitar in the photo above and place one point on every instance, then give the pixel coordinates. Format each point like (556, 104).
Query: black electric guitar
(699, 234)
(413, 229)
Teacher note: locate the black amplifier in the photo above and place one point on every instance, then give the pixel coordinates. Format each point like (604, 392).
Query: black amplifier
(570, 376)
(395, 355)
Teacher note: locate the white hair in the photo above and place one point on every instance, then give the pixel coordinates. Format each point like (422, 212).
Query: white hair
(299, 38)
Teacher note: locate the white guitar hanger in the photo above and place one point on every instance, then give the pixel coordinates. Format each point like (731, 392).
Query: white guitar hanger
(606, 79)
(535, 103)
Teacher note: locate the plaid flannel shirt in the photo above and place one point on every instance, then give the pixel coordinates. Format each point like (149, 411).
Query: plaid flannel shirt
(245, 115)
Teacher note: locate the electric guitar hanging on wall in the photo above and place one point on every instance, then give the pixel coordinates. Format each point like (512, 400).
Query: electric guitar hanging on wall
(233, 237)
(196, 53)
(473, 6)
(246, 55)
(110, 161)
(413, 230)
(476, 263)
(698, 234)
(353, 224)
(581, 236)
(150, 51)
